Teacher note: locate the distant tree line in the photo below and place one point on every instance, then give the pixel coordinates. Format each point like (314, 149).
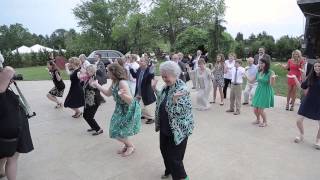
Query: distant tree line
(168, 26)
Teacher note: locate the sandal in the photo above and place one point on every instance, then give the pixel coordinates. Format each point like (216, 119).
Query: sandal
(129, 151)
(298, 139)
(292, 108)
(287, 107)
(222, 103)
(77, 115)
(59, 105)
(123, 150)
(317, 146)
(263, 124)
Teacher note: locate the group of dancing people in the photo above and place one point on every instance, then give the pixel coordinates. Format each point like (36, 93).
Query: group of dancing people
(258, 92)
(136, 92)
(137, 97)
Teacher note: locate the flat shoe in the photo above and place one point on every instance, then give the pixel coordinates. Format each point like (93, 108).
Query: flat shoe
(121, 151)
(263, 125)
(97, 133)
(317, 146)
(129, 151)
(77, 115)
(298, 139)
(90, 130)
(165, 176)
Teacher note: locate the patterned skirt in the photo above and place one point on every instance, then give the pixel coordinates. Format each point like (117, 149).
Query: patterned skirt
(55, 92)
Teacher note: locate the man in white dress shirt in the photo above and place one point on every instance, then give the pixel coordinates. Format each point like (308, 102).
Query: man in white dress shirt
(238, 74)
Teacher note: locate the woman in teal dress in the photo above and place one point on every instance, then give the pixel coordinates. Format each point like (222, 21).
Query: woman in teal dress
(264, 95)
(126, 118)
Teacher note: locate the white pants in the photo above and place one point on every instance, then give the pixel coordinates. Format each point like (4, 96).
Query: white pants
(249, 92)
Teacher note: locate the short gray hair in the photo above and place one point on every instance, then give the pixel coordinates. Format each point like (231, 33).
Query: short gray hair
(82, 56)
(170, 67)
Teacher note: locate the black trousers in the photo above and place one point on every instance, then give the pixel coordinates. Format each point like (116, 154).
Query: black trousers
(225, 87)
(173, 156)
(88, 115)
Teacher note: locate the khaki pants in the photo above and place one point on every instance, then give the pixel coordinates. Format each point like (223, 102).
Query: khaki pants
(235, 97)
(148, 111)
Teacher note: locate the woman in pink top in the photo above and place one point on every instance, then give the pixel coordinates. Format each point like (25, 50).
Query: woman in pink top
(295, 67)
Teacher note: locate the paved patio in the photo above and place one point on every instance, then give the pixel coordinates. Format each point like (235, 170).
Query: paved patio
(223, 146)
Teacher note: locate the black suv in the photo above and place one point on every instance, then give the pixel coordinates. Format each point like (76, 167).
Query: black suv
(106, 56)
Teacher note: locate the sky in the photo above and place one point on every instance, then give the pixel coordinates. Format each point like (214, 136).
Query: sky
(276, 17)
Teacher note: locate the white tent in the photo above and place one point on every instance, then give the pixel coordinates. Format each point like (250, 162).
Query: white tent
(38, 48)
(22, 50)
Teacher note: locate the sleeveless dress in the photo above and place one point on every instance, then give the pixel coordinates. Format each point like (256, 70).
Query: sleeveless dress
(126, 119)
(218, 73)
(75, 97)
(264, 95)
(294, 70)
(14, 123)
(59, 86)
(310, 105)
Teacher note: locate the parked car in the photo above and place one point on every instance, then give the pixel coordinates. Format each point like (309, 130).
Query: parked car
(106, 56)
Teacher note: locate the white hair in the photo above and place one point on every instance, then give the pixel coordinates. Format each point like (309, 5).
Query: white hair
(171, 68)
(82, 56)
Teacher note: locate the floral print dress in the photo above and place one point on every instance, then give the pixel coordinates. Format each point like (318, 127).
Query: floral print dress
(126, 119)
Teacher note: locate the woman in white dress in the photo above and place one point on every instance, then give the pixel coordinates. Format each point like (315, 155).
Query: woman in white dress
(203, 85)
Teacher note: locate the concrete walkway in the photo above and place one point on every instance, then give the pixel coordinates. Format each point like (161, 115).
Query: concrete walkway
(223, 146)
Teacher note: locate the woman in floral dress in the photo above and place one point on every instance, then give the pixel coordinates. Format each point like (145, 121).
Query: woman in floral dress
(126, 118)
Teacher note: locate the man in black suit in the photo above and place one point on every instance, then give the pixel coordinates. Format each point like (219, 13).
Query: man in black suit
(144, 76)
(261, 54)
(101, 70)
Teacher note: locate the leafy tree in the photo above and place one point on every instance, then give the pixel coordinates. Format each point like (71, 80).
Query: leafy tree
(239, 37)
(101, 16)
(189, 40)
(284, 47)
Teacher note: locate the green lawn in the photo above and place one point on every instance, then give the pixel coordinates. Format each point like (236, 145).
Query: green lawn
(40, 73)
(37, 73)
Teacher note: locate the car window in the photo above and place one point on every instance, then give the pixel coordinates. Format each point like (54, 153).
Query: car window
(113, 54)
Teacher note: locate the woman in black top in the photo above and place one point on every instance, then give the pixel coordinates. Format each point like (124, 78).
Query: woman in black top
(92, 100)
(13, 126)
(75, 97)
(59, 86)
(310, 105)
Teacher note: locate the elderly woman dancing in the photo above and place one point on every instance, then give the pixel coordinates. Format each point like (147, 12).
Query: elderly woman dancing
(174, 119)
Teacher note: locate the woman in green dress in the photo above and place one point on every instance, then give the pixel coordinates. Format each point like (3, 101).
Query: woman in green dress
(126, 118)
(264, 95)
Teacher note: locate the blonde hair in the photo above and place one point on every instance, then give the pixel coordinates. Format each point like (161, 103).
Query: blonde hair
(91, 69)
(233, 54)
(74, 61)
(298, 52)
